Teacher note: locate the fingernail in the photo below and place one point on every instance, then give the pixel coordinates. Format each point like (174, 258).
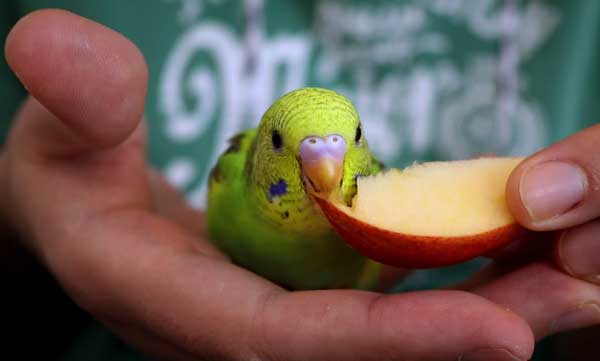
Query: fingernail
(551, 189)
(489, 354)
(578, 250)
(584, 315)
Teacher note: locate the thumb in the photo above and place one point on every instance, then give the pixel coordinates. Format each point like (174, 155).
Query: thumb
(79, 136)
(90, 77)
(558, 187)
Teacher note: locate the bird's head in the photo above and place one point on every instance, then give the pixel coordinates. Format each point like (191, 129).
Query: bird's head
(311, 138)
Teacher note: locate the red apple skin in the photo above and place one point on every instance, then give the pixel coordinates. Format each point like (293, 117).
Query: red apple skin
(412, 251)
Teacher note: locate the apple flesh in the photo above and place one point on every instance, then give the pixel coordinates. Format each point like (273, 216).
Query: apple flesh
(428, 215)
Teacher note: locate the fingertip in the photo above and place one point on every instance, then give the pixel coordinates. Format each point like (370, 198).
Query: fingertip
(475, 323)
(499, 327)
(558, 254)
(576, 250)
(91, 77)
(519, 337)
(542, 295)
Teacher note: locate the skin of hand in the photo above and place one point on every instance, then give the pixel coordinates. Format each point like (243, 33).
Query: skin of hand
(76, 187)
(556, 190)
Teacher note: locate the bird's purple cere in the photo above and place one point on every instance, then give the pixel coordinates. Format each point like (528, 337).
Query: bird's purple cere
(313, 148)
(277, 189)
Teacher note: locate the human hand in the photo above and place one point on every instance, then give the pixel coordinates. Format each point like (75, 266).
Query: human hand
(75, 185)
(555, 190)
(558, 189)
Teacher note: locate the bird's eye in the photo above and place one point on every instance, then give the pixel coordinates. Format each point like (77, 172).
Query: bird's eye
(358, 135)
(276, 140)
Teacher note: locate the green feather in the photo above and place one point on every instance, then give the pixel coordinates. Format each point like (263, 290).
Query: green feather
(259, 212)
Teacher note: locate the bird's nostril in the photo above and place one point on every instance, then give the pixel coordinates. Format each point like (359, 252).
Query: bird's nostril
(312, 141)
(335, 139)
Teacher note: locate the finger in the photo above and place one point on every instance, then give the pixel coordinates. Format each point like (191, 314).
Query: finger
(352, 325)
(77, 139)
(143, 269)
(90, 77)
(558, 187)
(578, 252)
(35, 190)
(548, 299)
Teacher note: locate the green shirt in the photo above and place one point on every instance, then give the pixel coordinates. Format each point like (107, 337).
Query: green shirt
(431, 79)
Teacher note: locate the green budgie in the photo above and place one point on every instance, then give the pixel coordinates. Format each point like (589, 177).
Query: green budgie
(260, 209)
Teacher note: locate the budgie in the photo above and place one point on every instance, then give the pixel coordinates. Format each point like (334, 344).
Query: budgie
(260, 208)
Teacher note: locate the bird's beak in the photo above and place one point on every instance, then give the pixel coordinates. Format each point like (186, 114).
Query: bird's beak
(323, 162)
(324, 174)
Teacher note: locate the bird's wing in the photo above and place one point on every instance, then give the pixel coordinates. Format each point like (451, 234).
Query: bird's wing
(226, 191)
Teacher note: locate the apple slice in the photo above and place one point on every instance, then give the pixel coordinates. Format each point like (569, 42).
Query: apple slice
(428, 215)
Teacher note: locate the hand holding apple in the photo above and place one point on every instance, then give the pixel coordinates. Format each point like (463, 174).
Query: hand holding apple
(558, 189)
(555, 190)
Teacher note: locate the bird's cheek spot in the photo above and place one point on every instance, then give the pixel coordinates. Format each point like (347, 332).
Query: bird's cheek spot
(277, 189)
